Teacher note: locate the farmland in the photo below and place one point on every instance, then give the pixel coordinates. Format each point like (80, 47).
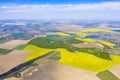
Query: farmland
(46, 43)
(107, 75)
(63, 34)
(14, 58)
(106, 43)
(4, 51)
(13, 43)
(59, 50)
(81, 60)
(92, 30)
(86, 39)
(70, 56)
(36, 52)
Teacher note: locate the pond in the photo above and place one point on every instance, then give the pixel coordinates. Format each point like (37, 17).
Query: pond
(116, 30)
(92, 36)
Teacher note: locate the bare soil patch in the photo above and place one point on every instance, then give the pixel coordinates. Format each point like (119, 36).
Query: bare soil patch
(89, 45)
(13, 43)
(11, 60)
(116, 70)
(57, 71)
(12, 78)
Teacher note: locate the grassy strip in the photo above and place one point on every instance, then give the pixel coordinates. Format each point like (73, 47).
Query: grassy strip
(107, 75)
(94, 51)
(73, 41)
(4, 51)
(20, 47)
(43, 42)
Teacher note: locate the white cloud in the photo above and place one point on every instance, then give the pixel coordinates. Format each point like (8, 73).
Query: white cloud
(4, 7)
(60, 10)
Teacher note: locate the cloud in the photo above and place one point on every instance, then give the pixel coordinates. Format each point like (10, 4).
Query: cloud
(105, 9)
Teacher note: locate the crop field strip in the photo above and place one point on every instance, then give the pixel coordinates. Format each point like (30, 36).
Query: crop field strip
(4, 51)
(73, 56)
(106, 59)
(107, 75)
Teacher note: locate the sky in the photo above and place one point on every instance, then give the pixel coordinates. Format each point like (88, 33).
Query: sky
(60, 9)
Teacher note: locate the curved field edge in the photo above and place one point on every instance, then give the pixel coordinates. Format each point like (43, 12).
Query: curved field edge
(63, 34)
(4, 51)
(92, 30)
(20, 47)
(43, 42)
(86, 32)
(106, 43)
(86, 39)
(77, 59)
(36, 52)
(87, 61)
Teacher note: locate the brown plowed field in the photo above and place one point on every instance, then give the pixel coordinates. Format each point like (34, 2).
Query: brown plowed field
(13, 43)
(12, 60)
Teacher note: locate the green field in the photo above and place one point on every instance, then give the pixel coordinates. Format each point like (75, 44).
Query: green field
(73, 41)
(20, 47)
(43, 42)
(94, 51)
(4, 51)
(92, 59)
(107, 75)
(79, 59)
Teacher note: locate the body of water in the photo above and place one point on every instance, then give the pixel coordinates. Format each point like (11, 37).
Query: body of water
(92, 36)
(116, 30)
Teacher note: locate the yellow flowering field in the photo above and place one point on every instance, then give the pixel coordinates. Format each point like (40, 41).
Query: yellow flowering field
(95, 30)
(87, 61)
(63, 34)
(79, 33)
(86, 39)
(36, 52)
(109, 44)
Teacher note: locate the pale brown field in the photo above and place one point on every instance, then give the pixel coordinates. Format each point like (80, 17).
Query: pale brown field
(12, 60)
(89, 45)
(69, 28)
(13, 43)
(12, 78)
(57, 71)
(116, 70)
